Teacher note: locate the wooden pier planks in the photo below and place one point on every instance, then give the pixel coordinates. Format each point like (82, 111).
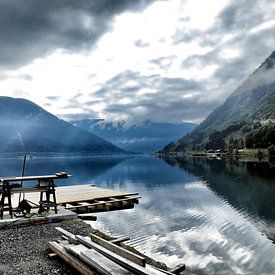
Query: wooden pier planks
(87, 198)
(83, 193)
(107, 204)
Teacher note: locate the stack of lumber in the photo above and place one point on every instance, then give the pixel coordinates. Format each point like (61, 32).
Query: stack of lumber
(94, 255)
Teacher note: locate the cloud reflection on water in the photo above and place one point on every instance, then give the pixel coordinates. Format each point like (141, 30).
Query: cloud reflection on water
(214, 216)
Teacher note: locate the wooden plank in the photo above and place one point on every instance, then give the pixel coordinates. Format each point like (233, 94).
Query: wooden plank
(120, 240)
(79, 193)
(84, 203)
(101, 203)
(75, 249)
(127, 264)
(80, 205)
(63, 242)
(70, 236)
(119, 250)
(178, 269)
(96, 261)
(127, 198)
(75, 263)
(109, 266)
(64, 238)
(68, 205)
(43, 177)
(28, 190)
(87, 217)
(164, 271)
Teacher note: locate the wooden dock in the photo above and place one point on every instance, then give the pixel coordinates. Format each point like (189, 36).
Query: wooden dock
(86, 198)
(89, 199)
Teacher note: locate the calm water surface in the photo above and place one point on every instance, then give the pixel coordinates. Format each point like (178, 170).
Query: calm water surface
(216, 216)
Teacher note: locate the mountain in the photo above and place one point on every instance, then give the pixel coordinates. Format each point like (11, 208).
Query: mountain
(26, 127)
(145, 137)
(245, 119)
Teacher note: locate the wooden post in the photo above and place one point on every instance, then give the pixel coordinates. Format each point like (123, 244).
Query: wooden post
(5, 193)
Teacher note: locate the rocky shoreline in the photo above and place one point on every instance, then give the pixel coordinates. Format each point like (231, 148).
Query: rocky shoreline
(24, 250)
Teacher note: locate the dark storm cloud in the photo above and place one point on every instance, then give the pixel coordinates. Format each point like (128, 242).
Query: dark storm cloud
(32, 28)
(173, 99)
(240, 15)
(119, 83)
(239, 21)
(165, 99)
(160, 107)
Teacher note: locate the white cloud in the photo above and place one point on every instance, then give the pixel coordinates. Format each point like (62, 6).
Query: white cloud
(155, 41)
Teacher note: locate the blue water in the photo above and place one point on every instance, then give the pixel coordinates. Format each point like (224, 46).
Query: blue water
(216, 216)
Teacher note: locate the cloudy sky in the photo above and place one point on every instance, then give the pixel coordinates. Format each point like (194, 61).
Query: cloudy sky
(167, 61)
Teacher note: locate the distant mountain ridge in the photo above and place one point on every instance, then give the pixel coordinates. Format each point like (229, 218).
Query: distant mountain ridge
(145, 137)
(249, 113)
(26, 127)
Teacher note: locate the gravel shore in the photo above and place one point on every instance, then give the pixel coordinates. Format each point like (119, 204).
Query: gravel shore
(24, 250)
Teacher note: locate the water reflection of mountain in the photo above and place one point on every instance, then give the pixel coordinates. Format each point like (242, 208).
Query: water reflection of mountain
(143, 172)
(247, 186)
(83, 169)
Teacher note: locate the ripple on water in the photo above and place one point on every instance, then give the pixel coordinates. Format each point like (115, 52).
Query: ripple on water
(193, 225)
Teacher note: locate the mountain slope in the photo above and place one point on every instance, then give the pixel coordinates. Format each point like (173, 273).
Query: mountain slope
(250, 109)
(27, 127)
(145, 137)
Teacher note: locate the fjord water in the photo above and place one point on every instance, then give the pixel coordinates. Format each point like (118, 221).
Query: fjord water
(216, 216)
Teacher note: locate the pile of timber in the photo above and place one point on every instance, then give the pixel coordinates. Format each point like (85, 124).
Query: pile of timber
(94, 255)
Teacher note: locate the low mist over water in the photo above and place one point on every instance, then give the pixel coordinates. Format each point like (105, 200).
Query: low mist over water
(216, 216)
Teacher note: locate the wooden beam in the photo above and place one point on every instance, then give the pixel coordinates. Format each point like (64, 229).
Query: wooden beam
(177, 269)
(87, 217)
(28, 190)
(44, 177)
(78, 265)
(157, 268)
(119, 250)
(96, 261)
(75, 198)
(70, 236)
(127, 264)
(102, 202)
(120, 240)
(86, 205)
